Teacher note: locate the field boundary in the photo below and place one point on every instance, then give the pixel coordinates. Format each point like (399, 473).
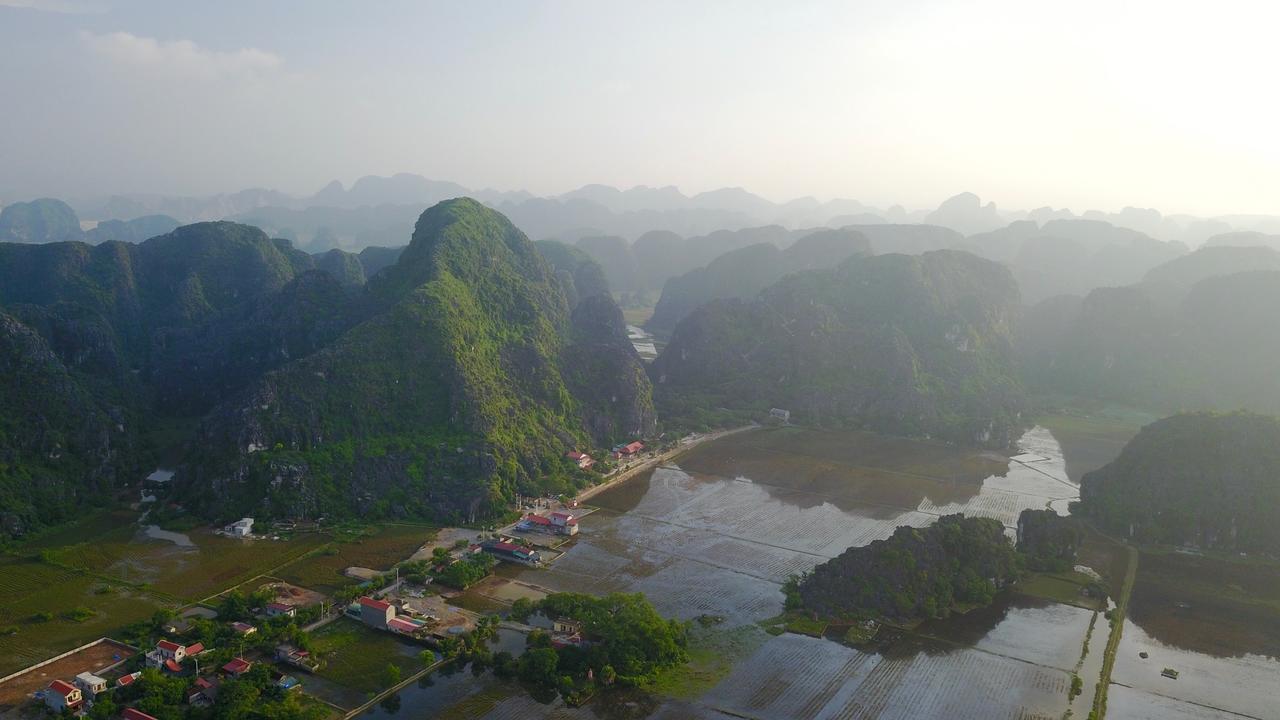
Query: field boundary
(68, 653)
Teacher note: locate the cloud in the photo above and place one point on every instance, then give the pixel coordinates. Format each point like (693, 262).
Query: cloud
(64, 7)
(179, 57)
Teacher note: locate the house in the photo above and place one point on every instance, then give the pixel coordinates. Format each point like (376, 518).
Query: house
(376, 613)
(135, 714)
(631, 449)
(566, 626)
(243, 629)
(90, 685)
(203, 692)
(240, 528)
(62, 695)
(194, 649)
(512, 552)
(780, 414)
(237, 667)
(127, 680)
(581, 459)
(296, 657)
(565, 523)
(535, 522)
(168, 655)
(276, 609)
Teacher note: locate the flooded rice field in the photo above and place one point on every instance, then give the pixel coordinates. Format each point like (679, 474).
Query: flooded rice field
(721, 532)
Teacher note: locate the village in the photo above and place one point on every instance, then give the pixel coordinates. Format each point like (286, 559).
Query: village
(286, 640)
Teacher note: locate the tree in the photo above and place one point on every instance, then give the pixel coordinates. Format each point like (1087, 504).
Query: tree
(539, 665)
(391, 675)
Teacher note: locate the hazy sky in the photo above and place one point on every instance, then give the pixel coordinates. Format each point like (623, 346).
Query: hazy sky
(1080, 104)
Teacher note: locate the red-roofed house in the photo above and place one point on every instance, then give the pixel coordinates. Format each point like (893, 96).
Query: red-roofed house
(135, 714)
(237, 667)
(127, 680)
(276, 609)
(376, 613)
(565, 523)
(166, 652)
(203, 691)
(628, 450)
(193, 649)
(62, 695)
(582, 459)
(243, 628)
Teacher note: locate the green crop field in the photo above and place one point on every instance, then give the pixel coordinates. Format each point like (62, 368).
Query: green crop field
(356, 656)
(30, 587)
(112, 544)
(377, 548)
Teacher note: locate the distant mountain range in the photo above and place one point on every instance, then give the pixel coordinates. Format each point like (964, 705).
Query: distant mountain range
(375, 209)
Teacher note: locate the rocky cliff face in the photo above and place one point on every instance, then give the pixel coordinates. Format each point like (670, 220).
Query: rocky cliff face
(467, 381)
(59, 446)
(603, 368)
(913, 345)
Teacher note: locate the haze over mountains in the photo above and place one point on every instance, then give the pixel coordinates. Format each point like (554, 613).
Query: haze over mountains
(366, 212)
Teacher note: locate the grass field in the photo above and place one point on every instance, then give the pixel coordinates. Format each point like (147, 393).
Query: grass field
(113, 546)
(637, 316)
(377, 548)
(356, 656)
(1064, 587)
(28, 587)
(712, 654)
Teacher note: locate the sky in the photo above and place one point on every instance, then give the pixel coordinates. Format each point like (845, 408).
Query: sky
(1084, 105)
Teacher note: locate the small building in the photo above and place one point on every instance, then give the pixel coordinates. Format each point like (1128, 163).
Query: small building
(288, 682)
(296, 657)
(237, 667)
(780, 414)
(168, 655)
(512, 552)
(135, 714)
(376, 613)
(62, 695)
(631, 449)
(276, 609)
(90, 685)
(242, 628)
(203, 692)
(194, 649)
(127, 680)
(566, 626)
(565, 523)
(581, 459)
(240, 528)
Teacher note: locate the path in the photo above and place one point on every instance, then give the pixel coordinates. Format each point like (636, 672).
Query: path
(630, 472)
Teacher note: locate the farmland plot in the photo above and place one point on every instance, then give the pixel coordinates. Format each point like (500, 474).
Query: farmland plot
(798, 677)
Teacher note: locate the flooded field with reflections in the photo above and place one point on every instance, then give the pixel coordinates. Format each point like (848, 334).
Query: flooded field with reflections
(721, 531)
(1217, 624)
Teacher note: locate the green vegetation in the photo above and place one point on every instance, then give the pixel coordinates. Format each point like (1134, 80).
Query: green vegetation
(1201, 479)
(356, 656)
(625, 642)
(472, 315)
(1049, 541)
(46, 610)
(378, 548)
(909, 345)
(915, 574)
(464, 573)
(1069, 588)
(252, 696)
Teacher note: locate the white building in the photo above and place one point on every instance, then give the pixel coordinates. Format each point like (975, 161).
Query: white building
(90, 684)
(240, 528)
